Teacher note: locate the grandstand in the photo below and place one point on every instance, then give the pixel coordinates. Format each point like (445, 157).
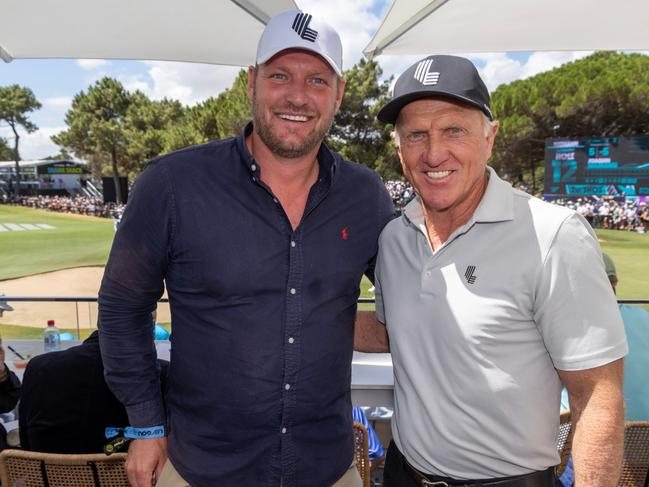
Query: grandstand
(47, 178)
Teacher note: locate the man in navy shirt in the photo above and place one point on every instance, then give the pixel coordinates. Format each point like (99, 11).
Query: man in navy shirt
(261, 241)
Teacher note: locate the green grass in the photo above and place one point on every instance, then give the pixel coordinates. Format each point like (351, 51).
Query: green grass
(630, 252)
(15, 332)
(81, 241)
(74, 242)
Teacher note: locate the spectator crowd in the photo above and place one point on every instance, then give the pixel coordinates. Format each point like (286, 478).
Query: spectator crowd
(607, 213)
(80, 205)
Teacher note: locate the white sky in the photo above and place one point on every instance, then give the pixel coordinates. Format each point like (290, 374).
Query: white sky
(55, 82)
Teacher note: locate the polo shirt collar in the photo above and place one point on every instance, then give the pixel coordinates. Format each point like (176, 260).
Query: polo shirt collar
(327, 159)
(496, 205)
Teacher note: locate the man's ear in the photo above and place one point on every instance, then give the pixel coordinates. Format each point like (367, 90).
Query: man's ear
(252, 72)
(341, 91)
(491, 136)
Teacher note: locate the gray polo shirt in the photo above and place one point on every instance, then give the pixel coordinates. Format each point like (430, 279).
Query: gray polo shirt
(478, 327)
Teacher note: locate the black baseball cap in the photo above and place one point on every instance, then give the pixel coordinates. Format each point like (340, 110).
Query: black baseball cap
(443, 76)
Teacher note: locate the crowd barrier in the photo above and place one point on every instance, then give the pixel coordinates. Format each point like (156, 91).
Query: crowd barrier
(83, 314)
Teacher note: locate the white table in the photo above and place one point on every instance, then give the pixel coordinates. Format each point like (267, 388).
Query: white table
(372, 379)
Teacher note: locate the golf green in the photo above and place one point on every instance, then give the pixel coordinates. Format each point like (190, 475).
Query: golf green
(35, 241)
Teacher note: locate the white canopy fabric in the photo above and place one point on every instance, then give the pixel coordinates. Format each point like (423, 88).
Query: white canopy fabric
(465, 26)
(202, 31)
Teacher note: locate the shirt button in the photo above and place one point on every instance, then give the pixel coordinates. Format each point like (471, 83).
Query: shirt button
(291, 340)
(254, 178)
(287, 386)
(293, 243)
(253, 167)
(275, 200)
(428, 274)
(293, 291)
(283, 431)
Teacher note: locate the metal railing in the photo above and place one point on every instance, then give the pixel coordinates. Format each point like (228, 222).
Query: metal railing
(93, 299)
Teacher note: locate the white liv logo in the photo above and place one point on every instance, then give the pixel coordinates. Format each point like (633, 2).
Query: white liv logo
(424, 75)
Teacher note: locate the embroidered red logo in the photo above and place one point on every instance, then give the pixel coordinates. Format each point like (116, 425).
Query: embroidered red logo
(345, 233)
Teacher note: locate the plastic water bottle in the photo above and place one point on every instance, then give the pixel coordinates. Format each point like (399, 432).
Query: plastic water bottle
(51, 337)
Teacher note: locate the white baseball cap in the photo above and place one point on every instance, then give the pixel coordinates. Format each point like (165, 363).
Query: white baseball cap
(298, 30)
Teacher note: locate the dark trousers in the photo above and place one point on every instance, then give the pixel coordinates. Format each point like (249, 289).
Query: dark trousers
(397, 473)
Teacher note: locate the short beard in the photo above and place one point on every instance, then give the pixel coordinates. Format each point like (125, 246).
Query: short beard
(281, 147)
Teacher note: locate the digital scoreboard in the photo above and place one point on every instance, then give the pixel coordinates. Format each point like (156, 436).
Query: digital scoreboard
(600, 166)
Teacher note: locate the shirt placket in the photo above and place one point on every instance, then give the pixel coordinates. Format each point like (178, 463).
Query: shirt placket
(293, 324)
(292, 347)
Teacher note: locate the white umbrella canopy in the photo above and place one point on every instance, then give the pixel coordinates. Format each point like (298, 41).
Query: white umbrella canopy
(460, 26)
(202, 31)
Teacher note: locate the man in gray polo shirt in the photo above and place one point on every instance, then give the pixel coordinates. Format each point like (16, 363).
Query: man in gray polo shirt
(492, 299)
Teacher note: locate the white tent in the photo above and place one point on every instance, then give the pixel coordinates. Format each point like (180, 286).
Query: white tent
(203, 31)
(462, 26)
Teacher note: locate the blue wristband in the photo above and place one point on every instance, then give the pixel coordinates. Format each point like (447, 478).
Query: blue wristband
(144, 433)
(136, 433)
(112, 432)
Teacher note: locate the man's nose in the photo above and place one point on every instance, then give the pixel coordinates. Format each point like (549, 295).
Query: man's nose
(436, 152)
(297, 93)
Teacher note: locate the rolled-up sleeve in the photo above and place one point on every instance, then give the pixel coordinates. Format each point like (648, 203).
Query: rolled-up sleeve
(131, 286)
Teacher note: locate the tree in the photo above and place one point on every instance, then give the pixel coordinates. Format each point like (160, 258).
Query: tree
(96, 125)
(235, 107)
(63, 155)
(16, 102)
(215, 118)
(604, 94)
(145, 124)
(6, 153)
(356, 133)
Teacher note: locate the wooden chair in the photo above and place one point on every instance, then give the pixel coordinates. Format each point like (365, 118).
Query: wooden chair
(564, 441)
(361, 453)
(20, 468)
(635, 464)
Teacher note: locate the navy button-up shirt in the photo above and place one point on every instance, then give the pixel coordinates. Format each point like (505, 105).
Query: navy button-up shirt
(262, 315)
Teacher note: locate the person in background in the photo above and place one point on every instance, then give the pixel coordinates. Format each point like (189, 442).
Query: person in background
(374, 445)
(9, 382)
(492, 299)
(66, 405)
(9, 389)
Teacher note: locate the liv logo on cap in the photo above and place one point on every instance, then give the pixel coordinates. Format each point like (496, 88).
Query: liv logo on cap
(301, 26)
(299, 30)
(424, 75)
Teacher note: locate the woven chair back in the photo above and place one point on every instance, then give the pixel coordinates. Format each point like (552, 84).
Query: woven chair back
(361, 453)
(635, 464)
(19, 468)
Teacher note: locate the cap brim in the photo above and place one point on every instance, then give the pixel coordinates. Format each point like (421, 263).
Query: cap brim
(390, 112)
(264, 58)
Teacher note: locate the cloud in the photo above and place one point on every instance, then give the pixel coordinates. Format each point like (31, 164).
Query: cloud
(539, 62)
(57, 102)
(499, 68)
(36, 145)
(89, 64)
(355, 27)
(135, 82)
(190, 83)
